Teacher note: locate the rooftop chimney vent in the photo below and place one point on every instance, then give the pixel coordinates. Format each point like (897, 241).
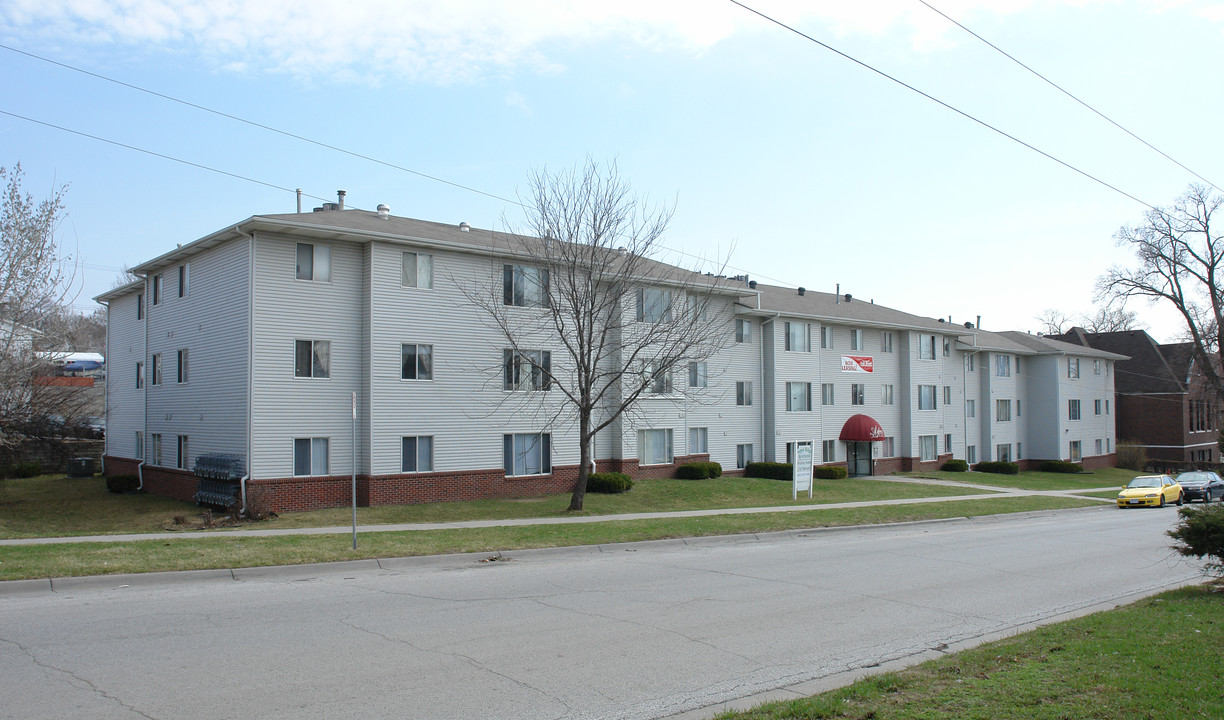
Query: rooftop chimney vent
(752, 284)
(383, 211)
(464, 227)
(848, 297)
(340, 194)
(969, 325)
(802, 290)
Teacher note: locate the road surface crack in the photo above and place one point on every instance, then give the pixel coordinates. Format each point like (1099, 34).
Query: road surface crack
(52, 669)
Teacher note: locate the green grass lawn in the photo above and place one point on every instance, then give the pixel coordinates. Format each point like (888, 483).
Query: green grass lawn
(1032, 480)
(1157, 658)
(225, 550)
(56, 506)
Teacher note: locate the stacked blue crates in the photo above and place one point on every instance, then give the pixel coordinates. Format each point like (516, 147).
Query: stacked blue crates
(218, 477)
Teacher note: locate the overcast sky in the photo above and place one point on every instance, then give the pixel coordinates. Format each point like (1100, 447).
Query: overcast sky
(806, 167)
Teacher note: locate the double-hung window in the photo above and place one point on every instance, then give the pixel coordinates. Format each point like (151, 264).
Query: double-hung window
(157, 289)
(658, 380)
(310, 456)
(157, 369)
(1073, 409)
(828, 451)
(1073, 368)
(698, 306)
(1096, 408)
(416, 454)
(416, 361)
(970, 408)
(886, 341)
(969, 362)
(182, 365)
(155, 448)
(312, 358)
(927, 447)
(886, 394)
(139, 376)
(1096, 370)
(1075, 452)
(527, 454)
(1002, 410)
(947, 347)
(856, 339)
(798, 337)
(858, 394)
(926, 397)
(826, 337)
(184, 279)
(698, 376)
(524, 286)
(1002, 365)
(182, 457)
(743, 392)
(947, 393)
(140, 306)
(653, 305)
(926, 347)
(526, 369)
(1003, 452)
(313, 262)
(798, 396)
(139, 445)
(417, 270)
(655, 447)
(743, 455)
(826, 393)
(948, 442)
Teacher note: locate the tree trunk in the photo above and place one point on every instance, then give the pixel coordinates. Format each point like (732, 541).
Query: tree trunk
(584, 455)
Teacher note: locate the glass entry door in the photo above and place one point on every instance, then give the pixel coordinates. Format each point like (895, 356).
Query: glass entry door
(858, 456)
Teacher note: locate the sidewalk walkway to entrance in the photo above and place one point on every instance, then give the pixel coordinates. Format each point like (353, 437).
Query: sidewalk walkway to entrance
(990, 492)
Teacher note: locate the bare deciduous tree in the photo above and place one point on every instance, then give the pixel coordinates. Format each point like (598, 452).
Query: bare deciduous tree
(34, 285)
(580, 278)
(1054, 322)
(1110, 318)
(1180, 259)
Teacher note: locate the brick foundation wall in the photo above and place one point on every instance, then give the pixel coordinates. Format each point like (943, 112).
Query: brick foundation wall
(887, 466)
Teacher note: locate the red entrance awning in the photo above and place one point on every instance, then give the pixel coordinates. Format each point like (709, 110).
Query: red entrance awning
(862, 428)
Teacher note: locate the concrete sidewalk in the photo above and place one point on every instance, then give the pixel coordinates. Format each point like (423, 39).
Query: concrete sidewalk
(992, 492)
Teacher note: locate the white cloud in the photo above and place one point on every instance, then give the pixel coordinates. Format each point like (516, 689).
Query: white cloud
(461, 40)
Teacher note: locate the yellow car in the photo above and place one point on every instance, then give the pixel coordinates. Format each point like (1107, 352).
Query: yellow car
(1150, 490)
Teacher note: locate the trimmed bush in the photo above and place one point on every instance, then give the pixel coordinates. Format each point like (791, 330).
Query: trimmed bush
(122, 483)
(998, 468)
(770, 470)
(608, 483)
(955, 466)
(829, 472)
(1130, 455)
(1058, 466)
(1200, 533)
(23, 470)
(698, 470)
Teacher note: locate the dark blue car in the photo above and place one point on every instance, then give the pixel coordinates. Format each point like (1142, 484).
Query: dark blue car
(1201, 485)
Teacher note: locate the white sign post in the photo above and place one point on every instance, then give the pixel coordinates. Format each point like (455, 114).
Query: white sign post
(802, 469)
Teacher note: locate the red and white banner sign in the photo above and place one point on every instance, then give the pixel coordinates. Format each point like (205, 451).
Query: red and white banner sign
(857, 363)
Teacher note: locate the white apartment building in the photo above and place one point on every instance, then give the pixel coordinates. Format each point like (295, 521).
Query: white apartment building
(315, 347)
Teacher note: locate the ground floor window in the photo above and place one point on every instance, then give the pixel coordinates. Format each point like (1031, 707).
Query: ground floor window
(155, 441)
(971, 452)
(699, 440)
(927, 447)
(1076, 456)
(310, 456)
(416, 454)
(655, 447)
(527, 454)
(948, 442)
(183, 458)
(890, 447)
(828, 450)
(1003, 452)
(743, 455)
(1098, 446)
(139, 444)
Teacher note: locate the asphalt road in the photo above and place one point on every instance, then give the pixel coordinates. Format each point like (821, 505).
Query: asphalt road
(627, 631)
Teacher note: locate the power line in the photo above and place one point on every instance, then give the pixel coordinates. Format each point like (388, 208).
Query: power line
(252, 123)
(936, 100)
(1066, 92)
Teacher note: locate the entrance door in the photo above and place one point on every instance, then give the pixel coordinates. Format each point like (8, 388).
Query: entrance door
(858, 455)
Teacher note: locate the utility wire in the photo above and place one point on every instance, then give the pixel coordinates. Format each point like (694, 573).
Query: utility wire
(252, 123)
(1066, 92)
(936, 100)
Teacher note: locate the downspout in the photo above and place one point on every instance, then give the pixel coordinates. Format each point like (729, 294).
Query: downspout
(146, 376)
(250, 370)
(242, 485)
(766, 320)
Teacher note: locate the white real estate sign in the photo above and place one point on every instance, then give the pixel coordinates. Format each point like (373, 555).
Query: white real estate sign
(802, 469)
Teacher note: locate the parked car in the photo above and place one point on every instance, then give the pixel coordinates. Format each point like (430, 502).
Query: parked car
(1201, 485)
(95, 427)
(1150, 490)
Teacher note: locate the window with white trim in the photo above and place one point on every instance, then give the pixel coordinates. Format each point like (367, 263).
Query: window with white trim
(1074, 451)
(155, 443)
(157, 289)
(743, 392)
(1003, 452)
(140, 306)
(313, 262)
(947, 393)
(969, 362)
(658, 380)
(1098, 446)
(926, 347)
(947, 347)
(698, 306)
(139, 376)
(699, 441)
(886, 341)
(1096, 367)
(826, 393)
(526, 370)
(1002, 365)
(655, 447)
(798, 396)
(971, 454)
(698, 375)
(1073, 409)
(927, 448)
(525, 286)
(948, 442)
(157, 369)
(826, 337)
(527, 454)
(886, 394)
(798, 337)
(416, 361)
(856, 339)
(858, 393)
(139, 445)
(416, 454)
(310, 456)
(416, 270)
(970, 408)
(828, 451)
(653, 305)
(182, 458)
(926, 397)
(743, 455)
(1096, 407)
(1002, 410)
(743, 330)
(890, 447)
(182, 366)
(1073, 368)
(184, 273)
(312, 358)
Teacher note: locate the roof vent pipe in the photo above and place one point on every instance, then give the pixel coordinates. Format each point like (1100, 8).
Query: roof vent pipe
(979, 322)
(837, 294)
(299, 194)
(464, 227)
(752, 284)
(802, 290)
(383, 211)
(340, 194)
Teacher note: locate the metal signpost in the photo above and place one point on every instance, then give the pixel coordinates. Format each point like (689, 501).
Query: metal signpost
(802, 469)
